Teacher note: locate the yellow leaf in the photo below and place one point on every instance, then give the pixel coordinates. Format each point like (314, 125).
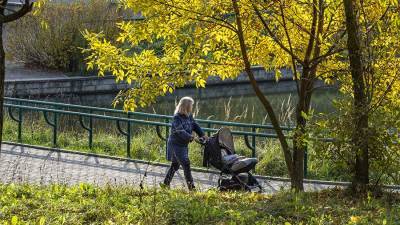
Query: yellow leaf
(278, 74)
(42, 220)
(355, 219)
(14, 220)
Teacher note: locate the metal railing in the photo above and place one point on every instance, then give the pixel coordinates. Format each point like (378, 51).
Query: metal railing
(52, 111)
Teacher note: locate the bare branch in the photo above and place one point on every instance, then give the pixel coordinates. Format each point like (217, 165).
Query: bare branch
(27, 7)
(223, 23)
(331, 51)
(291, 48)
(265, 24)
(372, 108)
(312, 35)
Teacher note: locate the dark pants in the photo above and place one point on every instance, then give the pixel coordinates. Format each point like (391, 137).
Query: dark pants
(180, 157)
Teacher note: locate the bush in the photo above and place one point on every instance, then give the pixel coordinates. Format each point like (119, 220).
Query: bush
(52, 39)
(383, 139)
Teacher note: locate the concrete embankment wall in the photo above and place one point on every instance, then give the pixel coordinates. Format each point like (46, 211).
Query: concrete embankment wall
(64, 86)
(103, 89)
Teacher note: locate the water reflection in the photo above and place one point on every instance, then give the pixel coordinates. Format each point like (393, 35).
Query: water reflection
(248, 108)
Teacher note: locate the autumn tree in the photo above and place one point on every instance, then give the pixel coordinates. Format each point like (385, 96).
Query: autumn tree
(366, 123)
(8, 14)
(373, 43)
(223, 38)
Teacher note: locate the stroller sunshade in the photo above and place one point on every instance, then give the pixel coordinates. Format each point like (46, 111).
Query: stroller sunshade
(225, 139)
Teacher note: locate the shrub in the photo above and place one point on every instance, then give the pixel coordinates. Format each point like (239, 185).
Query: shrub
(383, 138)
(52, 39)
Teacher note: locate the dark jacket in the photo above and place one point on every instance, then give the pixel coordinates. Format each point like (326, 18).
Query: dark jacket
(181, 132)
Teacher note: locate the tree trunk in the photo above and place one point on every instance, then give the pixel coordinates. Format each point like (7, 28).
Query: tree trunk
(6, 18)
(299, 144)
(2, 78)
(360, 117)
(267, 105)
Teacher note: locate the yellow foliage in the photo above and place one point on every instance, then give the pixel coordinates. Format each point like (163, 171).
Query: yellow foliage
(199, 39)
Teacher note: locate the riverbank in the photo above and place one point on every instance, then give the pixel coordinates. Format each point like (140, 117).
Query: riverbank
(86, 204)
(30, 83)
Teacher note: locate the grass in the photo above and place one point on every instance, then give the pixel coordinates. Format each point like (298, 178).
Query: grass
(147, 146)
(85, 204)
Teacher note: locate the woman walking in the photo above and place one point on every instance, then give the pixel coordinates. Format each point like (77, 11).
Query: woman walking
(180, 136)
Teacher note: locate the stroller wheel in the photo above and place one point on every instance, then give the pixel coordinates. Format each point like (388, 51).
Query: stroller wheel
(229, 184)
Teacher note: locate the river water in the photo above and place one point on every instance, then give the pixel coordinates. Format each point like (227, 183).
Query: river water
(234, 102)
(248, 108)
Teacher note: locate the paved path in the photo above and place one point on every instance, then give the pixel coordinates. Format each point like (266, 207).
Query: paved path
(20, 164)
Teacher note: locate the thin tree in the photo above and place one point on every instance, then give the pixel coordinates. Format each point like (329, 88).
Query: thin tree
(372, 42)
(360, 135)
(311, 48)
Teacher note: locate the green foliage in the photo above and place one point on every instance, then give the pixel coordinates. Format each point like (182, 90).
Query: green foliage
(86, 204)
(383, 142)
(51, 36)
(270, 159)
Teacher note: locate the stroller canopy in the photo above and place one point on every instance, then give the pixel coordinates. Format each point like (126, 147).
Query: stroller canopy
(220, 153)
(225, 139)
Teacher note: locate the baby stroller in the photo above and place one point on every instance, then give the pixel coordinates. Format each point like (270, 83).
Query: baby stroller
(219, 152)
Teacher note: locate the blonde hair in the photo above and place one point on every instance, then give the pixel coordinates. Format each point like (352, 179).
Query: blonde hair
(183, 106)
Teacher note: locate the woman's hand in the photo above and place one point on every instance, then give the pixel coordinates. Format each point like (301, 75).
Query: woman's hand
(202, 140)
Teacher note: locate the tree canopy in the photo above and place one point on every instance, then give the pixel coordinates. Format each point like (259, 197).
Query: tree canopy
(200, 39)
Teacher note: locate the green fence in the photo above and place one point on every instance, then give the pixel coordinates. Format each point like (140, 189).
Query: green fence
(124, 122)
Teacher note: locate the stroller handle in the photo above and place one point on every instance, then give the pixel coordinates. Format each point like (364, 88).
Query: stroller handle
(201, 141)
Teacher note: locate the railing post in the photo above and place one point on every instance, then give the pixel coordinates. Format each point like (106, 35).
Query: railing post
(305, 163)
(55, 122)
(253, 142)
(128, 138)
(166, 137)
(54, 125)
(20, 125)
(88, 128)
(253, 145)
(18, 120)
(90, 131)
(127, 134)
(209, 126)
